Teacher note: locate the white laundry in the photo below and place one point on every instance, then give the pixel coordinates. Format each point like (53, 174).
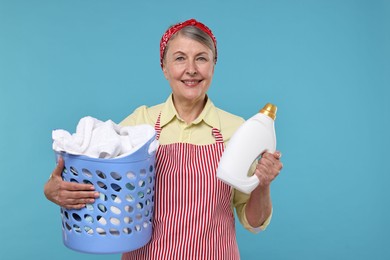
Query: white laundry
(98, 139)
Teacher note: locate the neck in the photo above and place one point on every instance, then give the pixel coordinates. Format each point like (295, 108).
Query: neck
(189, 110)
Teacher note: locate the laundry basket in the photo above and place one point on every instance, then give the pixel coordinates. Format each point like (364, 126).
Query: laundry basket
(120, 220)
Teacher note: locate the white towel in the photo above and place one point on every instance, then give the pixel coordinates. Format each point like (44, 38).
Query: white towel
(98, 139)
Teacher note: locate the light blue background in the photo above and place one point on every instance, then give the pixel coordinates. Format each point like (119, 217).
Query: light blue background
(326, 64)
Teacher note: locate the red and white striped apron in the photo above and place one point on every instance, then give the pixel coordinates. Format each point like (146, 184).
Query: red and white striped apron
(193, 218)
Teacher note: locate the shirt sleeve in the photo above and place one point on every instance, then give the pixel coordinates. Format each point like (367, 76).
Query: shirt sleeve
(139, 116)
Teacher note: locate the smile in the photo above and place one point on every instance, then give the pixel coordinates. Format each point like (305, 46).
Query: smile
(191, 82)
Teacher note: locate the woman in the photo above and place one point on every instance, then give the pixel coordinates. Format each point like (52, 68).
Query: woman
(193, 216)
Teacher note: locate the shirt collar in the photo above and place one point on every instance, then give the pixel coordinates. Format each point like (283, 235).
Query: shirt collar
(209, 114)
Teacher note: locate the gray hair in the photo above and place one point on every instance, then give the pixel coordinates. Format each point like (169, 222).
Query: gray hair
(195, 34)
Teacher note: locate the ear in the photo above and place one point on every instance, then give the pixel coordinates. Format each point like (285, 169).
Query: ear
(165, 71)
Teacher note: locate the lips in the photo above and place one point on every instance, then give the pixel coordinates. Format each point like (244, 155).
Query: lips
(191, 82)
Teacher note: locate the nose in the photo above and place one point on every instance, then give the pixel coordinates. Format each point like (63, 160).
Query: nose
(191, 68)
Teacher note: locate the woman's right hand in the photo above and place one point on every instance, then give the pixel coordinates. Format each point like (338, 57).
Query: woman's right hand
(68, 195)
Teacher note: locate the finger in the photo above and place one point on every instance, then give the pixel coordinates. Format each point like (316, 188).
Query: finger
(269, 166)
(68, 198)
(278, 155)
(266, 160)
(73, 186)
(275, 159)
(277, 167)
(280, 166)
(74, 206)
(262, 169)
(59, 168)
(72, 195)
(80, 201)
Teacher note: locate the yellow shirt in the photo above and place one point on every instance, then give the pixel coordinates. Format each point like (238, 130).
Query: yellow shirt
(198, 132)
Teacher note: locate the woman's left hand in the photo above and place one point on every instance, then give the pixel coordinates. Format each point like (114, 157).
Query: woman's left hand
(268, 168)
(259, 206)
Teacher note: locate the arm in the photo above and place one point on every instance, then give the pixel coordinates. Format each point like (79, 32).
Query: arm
(259, 205)
(72, 195)
(69, 195)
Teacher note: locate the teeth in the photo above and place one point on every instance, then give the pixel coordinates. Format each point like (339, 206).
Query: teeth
(191, 82)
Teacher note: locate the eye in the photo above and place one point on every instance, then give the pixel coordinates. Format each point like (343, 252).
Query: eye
(202, 58)
(179, 58)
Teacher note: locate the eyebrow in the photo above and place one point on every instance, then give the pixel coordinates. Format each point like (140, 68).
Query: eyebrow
(183, 53)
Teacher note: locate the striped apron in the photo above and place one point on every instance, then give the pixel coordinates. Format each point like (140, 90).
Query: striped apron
(193, 218)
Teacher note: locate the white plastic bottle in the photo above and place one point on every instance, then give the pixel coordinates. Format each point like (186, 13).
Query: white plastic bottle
(251, 139)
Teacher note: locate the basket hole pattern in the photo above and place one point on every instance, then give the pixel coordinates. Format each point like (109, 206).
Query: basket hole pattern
(125, 204)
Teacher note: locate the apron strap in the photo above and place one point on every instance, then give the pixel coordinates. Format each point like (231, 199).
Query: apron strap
(217, 135)
(157, 126)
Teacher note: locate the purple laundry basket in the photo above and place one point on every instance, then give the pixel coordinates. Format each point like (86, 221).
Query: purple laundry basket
(120, 220)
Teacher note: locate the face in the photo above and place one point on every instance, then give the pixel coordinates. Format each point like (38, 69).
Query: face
(189, 68)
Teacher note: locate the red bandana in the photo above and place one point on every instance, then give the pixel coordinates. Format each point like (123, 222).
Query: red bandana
(177, 27)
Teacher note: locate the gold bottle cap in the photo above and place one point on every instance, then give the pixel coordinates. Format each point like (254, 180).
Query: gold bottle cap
(269, 110)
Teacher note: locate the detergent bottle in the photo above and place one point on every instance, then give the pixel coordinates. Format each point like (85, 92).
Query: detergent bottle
(255, 136)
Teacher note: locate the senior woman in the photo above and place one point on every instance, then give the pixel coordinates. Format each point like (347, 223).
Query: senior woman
(193, 216)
